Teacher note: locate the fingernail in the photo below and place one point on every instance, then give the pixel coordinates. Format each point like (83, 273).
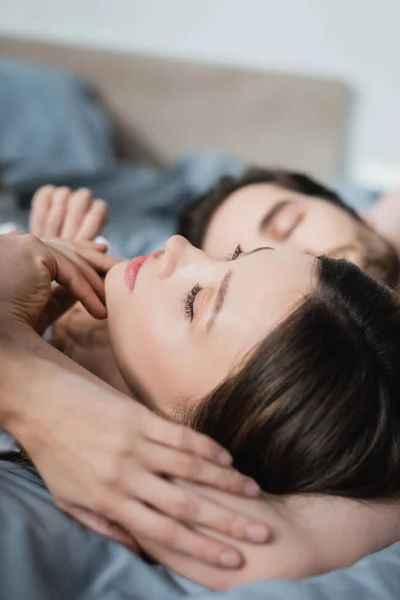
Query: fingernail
(230, 558)
(224, 458)
(101, 240)
(251, 488)
(256, 532)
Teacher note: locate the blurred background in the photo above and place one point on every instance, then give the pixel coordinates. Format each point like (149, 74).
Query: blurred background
(352, 41)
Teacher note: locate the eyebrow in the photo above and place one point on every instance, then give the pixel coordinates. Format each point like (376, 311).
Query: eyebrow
(219, 300)
(223, 290)
(340, 250)
(259, 249)
(271, 214)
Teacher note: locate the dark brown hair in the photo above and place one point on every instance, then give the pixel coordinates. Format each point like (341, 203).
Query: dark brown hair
(316, 406)
(379, 258)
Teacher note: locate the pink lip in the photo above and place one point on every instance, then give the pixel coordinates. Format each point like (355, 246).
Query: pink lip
(132, 269)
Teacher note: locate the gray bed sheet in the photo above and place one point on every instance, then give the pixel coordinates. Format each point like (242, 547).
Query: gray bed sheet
(44, 555)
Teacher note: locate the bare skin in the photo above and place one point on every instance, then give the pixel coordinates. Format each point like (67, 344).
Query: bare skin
(385, 217)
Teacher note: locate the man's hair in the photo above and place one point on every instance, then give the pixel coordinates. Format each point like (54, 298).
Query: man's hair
(195, 217)
(316, 406)
(380, 260)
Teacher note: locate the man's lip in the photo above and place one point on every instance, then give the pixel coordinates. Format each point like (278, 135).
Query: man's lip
(132, 269)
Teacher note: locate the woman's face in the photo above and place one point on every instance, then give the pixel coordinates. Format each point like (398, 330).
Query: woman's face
(181, 322)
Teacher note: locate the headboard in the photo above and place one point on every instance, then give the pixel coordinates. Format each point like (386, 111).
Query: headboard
(164, 106)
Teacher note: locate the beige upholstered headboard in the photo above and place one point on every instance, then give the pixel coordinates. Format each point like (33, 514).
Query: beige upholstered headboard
(163, 107)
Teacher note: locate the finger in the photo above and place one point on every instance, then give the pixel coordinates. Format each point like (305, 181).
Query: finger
(194, 508)
(90, 261)
(40, 208)
(13, 234)
(97, 246)
(81, 245)
(60, 301)
(65, 272)
(88, 272)
(186, 566)
(101, 262)
(168, 461)
(180, 437)
(142, 521)
(94, 221)
(57, 212)
(79, 203)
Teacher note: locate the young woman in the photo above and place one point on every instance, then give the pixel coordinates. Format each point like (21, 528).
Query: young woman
(292, 363)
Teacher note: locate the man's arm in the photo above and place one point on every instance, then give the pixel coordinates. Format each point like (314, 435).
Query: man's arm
(95, 448)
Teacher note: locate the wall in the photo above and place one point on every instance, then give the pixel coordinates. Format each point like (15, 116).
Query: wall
(354, 40)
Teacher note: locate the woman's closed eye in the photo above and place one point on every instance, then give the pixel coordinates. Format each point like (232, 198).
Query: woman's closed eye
(190, 296)
(188, 301)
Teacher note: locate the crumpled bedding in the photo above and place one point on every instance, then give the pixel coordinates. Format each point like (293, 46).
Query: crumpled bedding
(46, 555)
(55, 131)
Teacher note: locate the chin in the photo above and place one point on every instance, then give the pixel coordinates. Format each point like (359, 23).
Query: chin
(114, 283)
(116, 273)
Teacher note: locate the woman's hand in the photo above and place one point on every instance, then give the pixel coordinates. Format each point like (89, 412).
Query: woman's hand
(58, 212)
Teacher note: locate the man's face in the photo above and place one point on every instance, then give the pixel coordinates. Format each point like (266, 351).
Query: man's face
(264, 214)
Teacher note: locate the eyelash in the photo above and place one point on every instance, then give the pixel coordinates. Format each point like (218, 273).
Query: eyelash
(236, 253)
(190, 296)
(188, 301)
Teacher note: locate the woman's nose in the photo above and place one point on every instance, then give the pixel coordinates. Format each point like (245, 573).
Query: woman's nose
(178, 252)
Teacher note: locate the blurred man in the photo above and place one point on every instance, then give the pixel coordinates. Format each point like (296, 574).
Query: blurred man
(278, 208)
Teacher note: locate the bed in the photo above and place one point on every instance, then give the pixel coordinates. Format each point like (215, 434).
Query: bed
(164, 106)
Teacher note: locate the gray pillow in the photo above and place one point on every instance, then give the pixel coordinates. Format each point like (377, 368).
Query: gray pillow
(51, 124)
(45, 555)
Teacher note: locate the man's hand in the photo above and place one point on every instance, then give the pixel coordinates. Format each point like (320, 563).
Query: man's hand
(105, 458)
(29, 268)
(58, 212)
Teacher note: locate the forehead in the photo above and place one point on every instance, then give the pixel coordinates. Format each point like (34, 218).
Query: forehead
(256, 198)
(240, 215)
(244, 209)
(266, 287)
